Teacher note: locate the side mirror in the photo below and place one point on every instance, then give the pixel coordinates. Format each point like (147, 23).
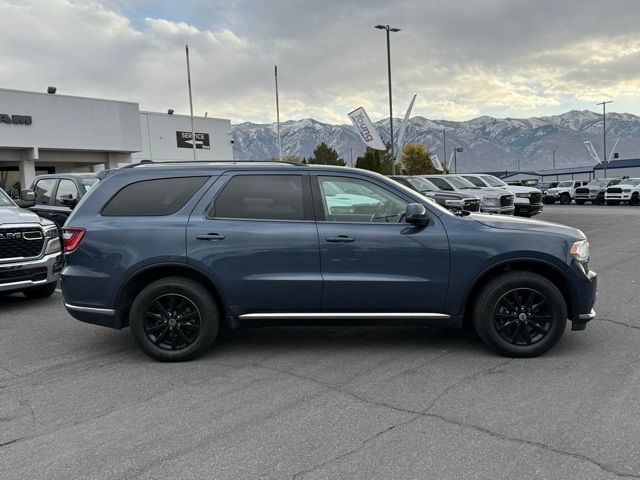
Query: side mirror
(416, 214)
(68, 200)
(27, 198)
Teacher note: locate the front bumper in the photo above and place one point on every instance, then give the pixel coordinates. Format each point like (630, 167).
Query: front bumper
(584, 299)
(620, 197)
(527, 209)
(18, 276)
(501, 210)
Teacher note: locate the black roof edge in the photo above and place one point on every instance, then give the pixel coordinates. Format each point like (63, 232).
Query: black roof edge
(204, 162)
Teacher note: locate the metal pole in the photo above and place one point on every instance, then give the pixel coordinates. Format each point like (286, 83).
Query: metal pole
(554, 160)
(393, 157)
(455, 160)
(444, 144)
(193, 133)
(278, 115)
(604, 134)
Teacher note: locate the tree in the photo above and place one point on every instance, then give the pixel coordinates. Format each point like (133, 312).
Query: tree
(325, 155)
(293, 159)
(375, 160)
(416, 160)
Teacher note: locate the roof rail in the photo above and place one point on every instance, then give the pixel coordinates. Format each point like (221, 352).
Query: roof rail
(199, 162)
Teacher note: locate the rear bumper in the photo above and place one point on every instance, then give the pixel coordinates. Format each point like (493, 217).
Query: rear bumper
(96, 316)
(20, 276)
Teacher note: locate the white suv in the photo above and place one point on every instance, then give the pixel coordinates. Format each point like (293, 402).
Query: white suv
(626, 191)
(563, 192)
(527, 201)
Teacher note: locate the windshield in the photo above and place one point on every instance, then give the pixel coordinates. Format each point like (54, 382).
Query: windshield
(460, 182)
(493, 181)
(422, 185)
(475, 180)
(632, 182)
(89, 182)
(599, 183)
(565, 184)
(5, 201)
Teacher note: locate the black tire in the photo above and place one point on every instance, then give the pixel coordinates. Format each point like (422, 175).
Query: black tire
(40, 292)
(565, 199)
(526, 334)
(635, 200)
(613, 202)
(579, 202)
(174, 319)
(599, 200)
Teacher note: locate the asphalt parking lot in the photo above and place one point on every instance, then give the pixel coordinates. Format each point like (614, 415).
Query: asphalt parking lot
(80, 401)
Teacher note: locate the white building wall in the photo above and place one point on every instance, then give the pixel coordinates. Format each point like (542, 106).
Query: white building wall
(160, 143)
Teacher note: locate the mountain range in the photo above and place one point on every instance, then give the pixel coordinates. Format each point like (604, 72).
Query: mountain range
(490, 144)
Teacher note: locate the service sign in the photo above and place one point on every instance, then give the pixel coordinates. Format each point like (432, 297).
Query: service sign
(5, 118)
(183, 140)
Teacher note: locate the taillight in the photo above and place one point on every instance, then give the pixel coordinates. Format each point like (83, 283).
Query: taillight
(71, 238)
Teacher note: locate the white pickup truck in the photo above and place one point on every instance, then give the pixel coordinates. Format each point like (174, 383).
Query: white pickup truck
(627, 191)
(564, 192)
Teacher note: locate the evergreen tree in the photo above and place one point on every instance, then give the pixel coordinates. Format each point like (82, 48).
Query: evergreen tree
(375, 160)
(416, 160)
(325, 155)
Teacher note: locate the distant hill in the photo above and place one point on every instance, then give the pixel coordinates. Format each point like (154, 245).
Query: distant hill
(489, 143)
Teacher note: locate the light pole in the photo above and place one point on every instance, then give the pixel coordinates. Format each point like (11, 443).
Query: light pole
(604, 134)
(444, 144)
(456, 151)
(390, 29)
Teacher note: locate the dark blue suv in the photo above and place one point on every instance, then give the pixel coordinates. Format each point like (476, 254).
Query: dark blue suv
(177, 251)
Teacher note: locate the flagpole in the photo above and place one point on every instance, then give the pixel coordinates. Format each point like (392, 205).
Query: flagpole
(278, 115)
(193, 134)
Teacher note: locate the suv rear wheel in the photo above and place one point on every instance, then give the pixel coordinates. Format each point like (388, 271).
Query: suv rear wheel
(520, 314)
(174, 319)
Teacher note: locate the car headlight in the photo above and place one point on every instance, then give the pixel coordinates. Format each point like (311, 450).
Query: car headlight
(580, 251)
(51, 232)
(626, 191)
(523, 195)
(454, 203)
(489, 200)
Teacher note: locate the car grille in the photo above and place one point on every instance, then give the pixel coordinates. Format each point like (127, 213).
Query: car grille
(23, 275)
(535, 198)
(506, 201)
(21, 247)
(471, 205)
(614, 190)
(582, 190)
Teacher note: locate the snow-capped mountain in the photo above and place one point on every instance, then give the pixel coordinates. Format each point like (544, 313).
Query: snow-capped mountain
(489, 143)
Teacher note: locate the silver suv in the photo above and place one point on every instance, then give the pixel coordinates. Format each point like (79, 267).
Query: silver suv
(494, 200)
(30, 249)
(594, 192)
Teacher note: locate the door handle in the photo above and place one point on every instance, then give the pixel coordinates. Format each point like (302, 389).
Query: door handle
(340, 239)
(209, 236)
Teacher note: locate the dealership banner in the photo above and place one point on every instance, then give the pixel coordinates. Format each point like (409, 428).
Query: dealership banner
(436, 162)
(403, 128)
(366, 129)
(592, 151)
(183, 140)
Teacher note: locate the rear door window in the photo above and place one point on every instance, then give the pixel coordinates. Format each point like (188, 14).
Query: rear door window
(66, 187)
(152, 198)
(261, 197)
(44, 190)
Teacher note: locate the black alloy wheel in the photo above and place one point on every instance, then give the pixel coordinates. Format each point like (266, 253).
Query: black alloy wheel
(522, 317)
(174, 319)
(172, 322)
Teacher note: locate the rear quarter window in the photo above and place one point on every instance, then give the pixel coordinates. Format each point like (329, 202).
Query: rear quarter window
(149, 198)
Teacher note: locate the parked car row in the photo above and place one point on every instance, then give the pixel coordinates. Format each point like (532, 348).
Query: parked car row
(612, 191)
(476, 192)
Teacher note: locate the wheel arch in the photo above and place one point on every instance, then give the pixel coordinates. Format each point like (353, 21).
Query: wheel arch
(144, 276)
(546, 269)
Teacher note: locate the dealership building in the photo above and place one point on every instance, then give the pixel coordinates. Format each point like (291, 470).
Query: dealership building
(50, 133)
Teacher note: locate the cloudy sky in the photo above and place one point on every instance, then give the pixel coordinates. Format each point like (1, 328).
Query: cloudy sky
(465, 58)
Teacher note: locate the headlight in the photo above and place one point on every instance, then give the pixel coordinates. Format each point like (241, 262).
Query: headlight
(523, 195)
(626, 191)
(454, 203)
(580, 250)
(489, 200)
(51, 232)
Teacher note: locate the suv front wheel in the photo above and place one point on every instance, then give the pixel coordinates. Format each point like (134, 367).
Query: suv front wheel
(174, 319)
(520, 314)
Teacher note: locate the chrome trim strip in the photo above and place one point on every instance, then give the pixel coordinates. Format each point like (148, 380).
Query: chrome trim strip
(588, 316)
(99, 311)
(345, 316)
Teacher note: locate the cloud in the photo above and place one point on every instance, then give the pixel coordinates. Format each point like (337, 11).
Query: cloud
(464, 58)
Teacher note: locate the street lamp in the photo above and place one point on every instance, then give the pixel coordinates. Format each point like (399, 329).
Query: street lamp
(390, 29)
(456, 151)
(604, 134)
